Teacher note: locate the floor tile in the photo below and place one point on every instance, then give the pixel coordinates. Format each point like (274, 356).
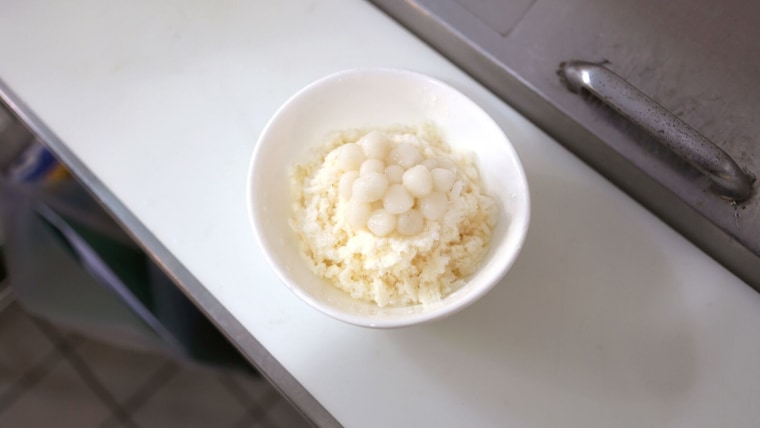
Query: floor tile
(158, 391)
(256, 387)
(267, 408)
(193, 398)
(61, 399)
(283, 415)
(279, 414)
(121, 371)
(254, 422)
(22, 345)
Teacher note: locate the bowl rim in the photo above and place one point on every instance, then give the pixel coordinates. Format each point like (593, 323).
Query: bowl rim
(444, 310)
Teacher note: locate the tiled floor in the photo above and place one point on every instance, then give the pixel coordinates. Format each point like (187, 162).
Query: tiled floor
(53, 378)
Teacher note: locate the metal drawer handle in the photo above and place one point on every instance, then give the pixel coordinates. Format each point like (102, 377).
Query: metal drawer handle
(727, 178)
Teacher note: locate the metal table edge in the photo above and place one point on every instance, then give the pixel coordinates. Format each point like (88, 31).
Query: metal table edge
(243, 340)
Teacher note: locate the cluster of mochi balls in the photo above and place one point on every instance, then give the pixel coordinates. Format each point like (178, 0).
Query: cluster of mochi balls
(392, 186)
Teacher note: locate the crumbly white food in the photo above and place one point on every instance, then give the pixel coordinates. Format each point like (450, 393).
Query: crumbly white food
(397, 264)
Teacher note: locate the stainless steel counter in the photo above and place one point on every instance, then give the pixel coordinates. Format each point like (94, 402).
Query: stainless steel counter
(696, 59)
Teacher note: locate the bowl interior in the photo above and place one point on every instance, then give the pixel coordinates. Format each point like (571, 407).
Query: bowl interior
(381, 98)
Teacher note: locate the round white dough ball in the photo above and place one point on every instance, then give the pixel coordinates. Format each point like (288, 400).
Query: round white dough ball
(418, 180)
(350, 157)
(430, 163)
(410, 223)
(443, 179)
(394, 173)
(444, 162)
(346, 182)
(406, 155)
(370, 187)
(372, 165)
(397, 199)
(381, 222)
(357, 214)
(375, 145)
(434, 205)
(410, 139)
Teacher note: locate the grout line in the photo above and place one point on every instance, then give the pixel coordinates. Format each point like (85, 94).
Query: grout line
(29, 379)
(100, 390)
(253, 412)
(34, 374)
(138, 398)
(257, 410)
(67, 349)
(268, 402)
(161, 377)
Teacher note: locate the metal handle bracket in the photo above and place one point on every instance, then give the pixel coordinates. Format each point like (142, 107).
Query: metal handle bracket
(727, 179)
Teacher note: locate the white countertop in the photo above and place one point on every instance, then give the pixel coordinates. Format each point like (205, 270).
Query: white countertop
(608, 318)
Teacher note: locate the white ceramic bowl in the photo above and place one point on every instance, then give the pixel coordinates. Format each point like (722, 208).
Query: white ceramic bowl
(363, 98)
